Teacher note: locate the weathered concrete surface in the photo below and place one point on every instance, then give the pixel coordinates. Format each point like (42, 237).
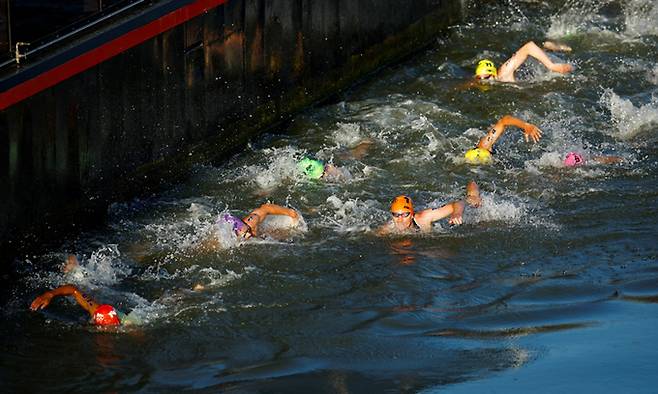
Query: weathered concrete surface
(194, 94)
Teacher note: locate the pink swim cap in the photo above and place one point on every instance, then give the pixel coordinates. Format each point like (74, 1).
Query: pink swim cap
(573, 159)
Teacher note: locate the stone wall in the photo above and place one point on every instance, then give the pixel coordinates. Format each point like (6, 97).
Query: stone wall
(194, 94)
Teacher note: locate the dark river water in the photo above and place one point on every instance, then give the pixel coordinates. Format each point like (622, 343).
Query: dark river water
(550, 286)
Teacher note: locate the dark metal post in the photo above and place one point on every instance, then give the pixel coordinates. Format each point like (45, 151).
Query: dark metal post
(5, 27)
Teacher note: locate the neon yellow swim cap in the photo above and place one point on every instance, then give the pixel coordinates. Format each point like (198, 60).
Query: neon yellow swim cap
(477, 156)
(311, 168)
(486, 67)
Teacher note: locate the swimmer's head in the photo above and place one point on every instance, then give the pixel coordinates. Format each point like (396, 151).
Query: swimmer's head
(313, 169)
(486, 69)
(478, 156)
(402, 210)
(239, 227)
(106, 315)
(573, 159)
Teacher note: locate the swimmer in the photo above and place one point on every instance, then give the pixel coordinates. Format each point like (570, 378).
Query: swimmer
(486, 70)
(406, 220)
(101, 315)
(575, 159)
(248, 226)
(316, 169)
(482, 153)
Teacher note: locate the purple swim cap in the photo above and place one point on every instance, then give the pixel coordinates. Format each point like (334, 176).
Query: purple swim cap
(573, 159)
(236, 222)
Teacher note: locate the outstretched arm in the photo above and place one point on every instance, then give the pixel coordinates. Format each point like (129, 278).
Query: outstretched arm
(426, 217)
(259, 214)
(86, 302)
(506, 71)
(530, 131)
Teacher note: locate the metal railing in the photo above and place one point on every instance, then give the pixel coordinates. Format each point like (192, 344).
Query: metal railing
(20, 50)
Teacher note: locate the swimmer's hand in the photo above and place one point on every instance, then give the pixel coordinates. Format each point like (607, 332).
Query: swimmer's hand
(531, 132)
(474, 201)
(562, 68)
(294, 215)
(42, 301)
(455, 219)
(456, 215)
(556, 46)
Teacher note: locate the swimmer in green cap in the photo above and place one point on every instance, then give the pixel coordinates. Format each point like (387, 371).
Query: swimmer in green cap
(315, 169)
(482, 153)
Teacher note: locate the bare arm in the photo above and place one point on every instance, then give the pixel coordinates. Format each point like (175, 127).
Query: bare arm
(86, 302)
(530, 131)
(607, 159)
(426, 217)
(259, 214)
(384, 229)
(506, 71)
(473, 195)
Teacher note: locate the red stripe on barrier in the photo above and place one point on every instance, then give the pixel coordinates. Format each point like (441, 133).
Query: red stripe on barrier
(106, 51)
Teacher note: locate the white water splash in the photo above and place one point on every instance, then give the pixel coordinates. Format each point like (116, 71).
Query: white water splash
(575, 17)
(497, 209)
(652, 75)
(281, 165)
(347, 134)
(353, 215)
(276, 223)
(103, 268)
(628, 119)
(641, 18)
(183, 232)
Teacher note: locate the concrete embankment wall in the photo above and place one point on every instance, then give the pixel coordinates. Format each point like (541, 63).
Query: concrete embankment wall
(194, 93)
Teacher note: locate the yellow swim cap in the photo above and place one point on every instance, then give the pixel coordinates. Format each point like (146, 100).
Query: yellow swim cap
(486, 67)
(477, 156)
(402, 203)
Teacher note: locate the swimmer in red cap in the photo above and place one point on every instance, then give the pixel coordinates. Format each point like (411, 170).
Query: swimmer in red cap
(405, 219)
(101, 315)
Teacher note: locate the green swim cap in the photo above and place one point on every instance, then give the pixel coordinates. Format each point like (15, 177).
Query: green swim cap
(311, 168)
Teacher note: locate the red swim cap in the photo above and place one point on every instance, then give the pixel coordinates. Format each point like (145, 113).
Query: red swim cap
(106, 315)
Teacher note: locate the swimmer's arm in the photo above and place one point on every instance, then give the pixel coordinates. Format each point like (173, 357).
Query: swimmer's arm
(473, 194)
(506, 71)
(556, 46)
(359, 151)
(259, 214)
(86, 302)
(331, 170)
(472, 83)
(273, 209)
(454, 209)
(530, 131)
(384, 229)
(607, 159)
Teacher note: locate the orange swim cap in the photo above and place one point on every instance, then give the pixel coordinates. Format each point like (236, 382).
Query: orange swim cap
(402, 203)
(106, 315)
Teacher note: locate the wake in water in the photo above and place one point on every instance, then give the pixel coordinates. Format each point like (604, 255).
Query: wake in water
(629, 120)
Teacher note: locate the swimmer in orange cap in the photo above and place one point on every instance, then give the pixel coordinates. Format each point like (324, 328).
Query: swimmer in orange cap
(482, 153)
(405, 219)
(486, 70)
(101, 315)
